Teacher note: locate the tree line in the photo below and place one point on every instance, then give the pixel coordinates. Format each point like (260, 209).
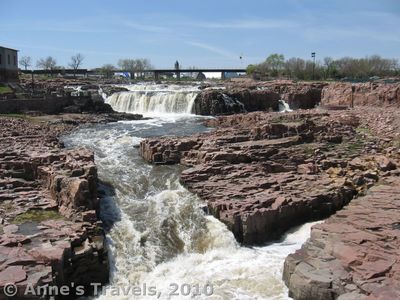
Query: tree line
(275, 65)
(127, 64)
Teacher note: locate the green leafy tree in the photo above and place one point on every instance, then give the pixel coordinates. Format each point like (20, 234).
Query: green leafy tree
(251, 69)
(275, 63)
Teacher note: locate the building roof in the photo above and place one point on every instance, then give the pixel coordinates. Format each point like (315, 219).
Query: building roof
(9, 48)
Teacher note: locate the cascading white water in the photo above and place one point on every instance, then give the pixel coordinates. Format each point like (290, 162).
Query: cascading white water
(284, 106)
(229, 102)
(145, 99)
(159, 234)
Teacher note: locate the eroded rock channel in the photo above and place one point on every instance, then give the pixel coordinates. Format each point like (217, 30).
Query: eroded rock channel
(262, 173)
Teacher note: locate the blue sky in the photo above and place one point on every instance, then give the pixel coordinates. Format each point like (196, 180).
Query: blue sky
(206, 33)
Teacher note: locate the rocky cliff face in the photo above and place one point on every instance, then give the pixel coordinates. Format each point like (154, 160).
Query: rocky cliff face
(50, 231)
(365, 94)
(262, 96)
(354, 254)
(261, 173)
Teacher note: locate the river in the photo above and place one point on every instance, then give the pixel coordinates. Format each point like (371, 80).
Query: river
(157, 233)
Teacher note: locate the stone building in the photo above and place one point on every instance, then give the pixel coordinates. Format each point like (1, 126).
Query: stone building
(8, 64)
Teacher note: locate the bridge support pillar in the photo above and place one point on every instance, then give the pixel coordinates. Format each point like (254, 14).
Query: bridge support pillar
(156, 76)
(178, 75)
(223, 75)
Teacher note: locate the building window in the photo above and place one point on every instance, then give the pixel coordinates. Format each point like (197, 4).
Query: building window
(15, 60)
(8, 59)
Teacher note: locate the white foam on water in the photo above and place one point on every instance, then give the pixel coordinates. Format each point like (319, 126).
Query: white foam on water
(160, 235)
(154, 99)
(284, 106)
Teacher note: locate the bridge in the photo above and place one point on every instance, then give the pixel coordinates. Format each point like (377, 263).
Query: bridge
(156, 72)
(223, 72)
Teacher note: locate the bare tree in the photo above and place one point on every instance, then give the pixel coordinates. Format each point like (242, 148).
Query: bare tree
(25, 61)
(146, 64)
(142, 64)
(134, 65)
(295, 67)
(76, 62)
(48, 63)
(129, 65)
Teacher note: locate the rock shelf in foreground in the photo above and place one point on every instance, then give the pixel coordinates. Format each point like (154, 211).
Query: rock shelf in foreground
(353, 254)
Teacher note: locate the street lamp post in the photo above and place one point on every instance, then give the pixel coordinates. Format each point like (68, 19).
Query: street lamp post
(313, 67)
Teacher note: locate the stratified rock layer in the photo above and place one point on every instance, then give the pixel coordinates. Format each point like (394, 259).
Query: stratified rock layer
(50, 232)
(262, 173)
(354, 254)
(257, 96)
(365, 94)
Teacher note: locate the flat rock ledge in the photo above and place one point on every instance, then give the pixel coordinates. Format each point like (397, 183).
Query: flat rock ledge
(263, 173)
(50, 231)
(354, 254)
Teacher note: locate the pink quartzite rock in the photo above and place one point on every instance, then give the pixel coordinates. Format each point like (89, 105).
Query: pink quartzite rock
(12, 275)
(48, 204)
(354, 253)
(262, 173)
(365, 94)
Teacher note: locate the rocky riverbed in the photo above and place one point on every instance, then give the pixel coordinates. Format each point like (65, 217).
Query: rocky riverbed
(50, 231)
(259, 172)
(262, 173)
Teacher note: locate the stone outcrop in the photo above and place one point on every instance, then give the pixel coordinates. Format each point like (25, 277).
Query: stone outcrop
(257, 96)
(60, 95)
(264, 96)
(219, 102)
(365, 94)
(50, 231)
(297, 94)
(262, 173)
(354, 254)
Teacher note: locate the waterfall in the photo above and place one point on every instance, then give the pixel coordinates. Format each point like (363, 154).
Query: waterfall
(154, 99)
(284, 106)
(232, 103)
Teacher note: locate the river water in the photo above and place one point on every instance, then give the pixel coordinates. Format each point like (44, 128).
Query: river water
(158, 236)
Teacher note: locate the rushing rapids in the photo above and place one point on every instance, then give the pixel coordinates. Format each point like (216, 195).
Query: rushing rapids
(158, 233)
